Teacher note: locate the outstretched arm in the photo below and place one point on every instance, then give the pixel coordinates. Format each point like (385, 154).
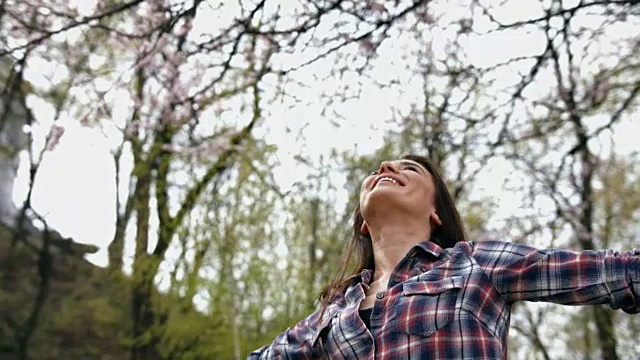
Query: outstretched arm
(521, 272)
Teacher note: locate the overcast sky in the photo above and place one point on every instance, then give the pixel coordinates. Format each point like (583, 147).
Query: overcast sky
(75, 186)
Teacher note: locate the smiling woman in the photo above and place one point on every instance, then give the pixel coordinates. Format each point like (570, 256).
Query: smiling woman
(420, 290)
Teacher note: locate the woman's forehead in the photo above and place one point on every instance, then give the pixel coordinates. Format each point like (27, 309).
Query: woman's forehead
(405, 162)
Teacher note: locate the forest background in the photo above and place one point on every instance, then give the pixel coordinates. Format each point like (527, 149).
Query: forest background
(226, 141)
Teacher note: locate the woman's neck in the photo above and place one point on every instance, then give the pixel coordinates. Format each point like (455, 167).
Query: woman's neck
(391, 244)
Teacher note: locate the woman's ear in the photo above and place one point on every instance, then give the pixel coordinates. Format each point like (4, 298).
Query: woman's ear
(364, 229)
(434, 220)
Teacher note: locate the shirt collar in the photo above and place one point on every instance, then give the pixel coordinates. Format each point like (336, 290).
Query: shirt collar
(426, 246)
(363, 277)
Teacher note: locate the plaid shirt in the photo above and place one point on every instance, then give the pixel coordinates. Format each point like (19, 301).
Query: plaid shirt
(455, 303)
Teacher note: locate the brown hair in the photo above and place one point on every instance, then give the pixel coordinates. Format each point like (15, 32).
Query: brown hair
(446, 235)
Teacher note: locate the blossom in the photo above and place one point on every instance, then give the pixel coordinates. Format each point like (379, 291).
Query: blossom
(53, 139)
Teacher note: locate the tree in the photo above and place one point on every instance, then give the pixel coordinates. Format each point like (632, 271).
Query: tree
(170, 78)
(556, 142)
(616, 209)
(184, 100)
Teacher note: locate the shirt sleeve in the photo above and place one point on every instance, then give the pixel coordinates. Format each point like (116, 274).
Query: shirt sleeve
(521, 272)
(294, 343)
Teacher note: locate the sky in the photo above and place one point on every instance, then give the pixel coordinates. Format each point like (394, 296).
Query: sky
(75, 186)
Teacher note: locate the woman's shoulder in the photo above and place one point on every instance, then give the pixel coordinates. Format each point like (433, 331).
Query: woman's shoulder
(491, 248)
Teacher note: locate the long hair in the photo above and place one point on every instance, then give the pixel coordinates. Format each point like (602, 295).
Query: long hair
(446, 235)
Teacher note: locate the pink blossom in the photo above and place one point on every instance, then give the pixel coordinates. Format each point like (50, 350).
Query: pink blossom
(85, 119)
(377, 7)
(185, 28)
(137, 102)
(132, 129)
(168, 148)
(425, 16)
(54, 137)
(167, 115)
(367, 45)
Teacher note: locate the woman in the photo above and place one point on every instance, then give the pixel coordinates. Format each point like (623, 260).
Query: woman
(421, 291)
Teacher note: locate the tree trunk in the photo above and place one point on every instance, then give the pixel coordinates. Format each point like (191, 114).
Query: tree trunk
(604, 319)
(312, 248)
(116, 247)
(145, 339)
(143, 274)
(45, 271)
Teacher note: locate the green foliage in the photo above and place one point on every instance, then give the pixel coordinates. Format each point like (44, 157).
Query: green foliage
(617, 197)
(194, 335)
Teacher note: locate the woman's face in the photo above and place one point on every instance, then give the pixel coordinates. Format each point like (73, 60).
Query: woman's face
(400, 186)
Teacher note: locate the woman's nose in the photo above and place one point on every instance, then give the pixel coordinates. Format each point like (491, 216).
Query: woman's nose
(387, 166)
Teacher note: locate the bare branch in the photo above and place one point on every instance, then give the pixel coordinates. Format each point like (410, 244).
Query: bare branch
(73, 24)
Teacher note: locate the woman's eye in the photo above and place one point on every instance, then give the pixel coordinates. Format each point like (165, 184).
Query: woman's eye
(412, 168)
(373, 173)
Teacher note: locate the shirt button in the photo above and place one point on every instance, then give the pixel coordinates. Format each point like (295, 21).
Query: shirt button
(380, 295)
